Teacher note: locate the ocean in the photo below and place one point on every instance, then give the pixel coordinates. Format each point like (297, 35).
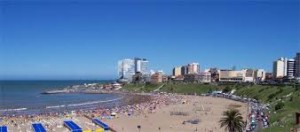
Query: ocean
(25, 96)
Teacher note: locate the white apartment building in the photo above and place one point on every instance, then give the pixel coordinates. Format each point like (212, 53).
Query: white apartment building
(141, 65)
(280, 68)
(126, 69)
(193, 68)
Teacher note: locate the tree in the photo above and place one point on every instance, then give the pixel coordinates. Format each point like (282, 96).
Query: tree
(232, 121)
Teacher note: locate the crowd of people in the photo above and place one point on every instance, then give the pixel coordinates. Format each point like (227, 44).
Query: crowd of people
(149, 105)
(131, 105)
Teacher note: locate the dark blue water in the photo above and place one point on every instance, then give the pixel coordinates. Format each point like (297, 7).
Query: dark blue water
(27, 94)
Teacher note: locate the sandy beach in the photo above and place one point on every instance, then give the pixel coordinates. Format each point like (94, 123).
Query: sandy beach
(207, 109)
(163, 113)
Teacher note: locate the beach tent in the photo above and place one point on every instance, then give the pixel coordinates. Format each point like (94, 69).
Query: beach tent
(101, 124)
(38, 127)
(72, 126)
(114, 114)
(3, 129)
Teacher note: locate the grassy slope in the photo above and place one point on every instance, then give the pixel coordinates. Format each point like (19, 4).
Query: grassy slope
(281, 120)
(140, 87)
(176, 88)
(188, 88)
(266, 94)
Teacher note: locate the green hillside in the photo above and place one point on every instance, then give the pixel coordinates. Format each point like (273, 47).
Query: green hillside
(286, 99)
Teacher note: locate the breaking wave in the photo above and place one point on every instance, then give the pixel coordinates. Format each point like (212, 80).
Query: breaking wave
(17, 109)
(83, 104)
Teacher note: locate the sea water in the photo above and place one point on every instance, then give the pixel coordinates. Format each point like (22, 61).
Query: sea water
(22, 96)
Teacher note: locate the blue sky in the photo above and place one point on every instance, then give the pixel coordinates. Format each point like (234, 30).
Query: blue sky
(85, 39)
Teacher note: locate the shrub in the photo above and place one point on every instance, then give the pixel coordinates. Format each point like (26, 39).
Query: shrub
(210, 90)
(261, 90)
(291, 99)
(297, 87)
(226, 89)
(271, 96)
(256, 97)
(279, 106)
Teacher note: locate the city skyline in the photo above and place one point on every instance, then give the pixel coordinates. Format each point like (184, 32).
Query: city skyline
(84, 40)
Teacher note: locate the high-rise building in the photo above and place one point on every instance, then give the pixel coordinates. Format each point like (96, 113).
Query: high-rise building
(126, 69)
(141, 65)
(184, 70)
(297, 65)
(177, 71)
(285, 66)
(280, 68)
(291, 68)
(193, 68)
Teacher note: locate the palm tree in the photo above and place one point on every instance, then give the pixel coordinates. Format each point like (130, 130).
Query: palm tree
(232, 121)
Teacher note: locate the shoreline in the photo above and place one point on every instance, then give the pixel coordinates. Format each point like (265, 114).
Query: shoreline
(139, 105)
(120, 100)
(72, 106)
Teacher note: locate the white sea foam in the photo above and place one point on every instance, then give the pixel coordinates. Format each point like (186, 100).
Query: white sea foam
(82, 104)
(56, 106)
(17, 109)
